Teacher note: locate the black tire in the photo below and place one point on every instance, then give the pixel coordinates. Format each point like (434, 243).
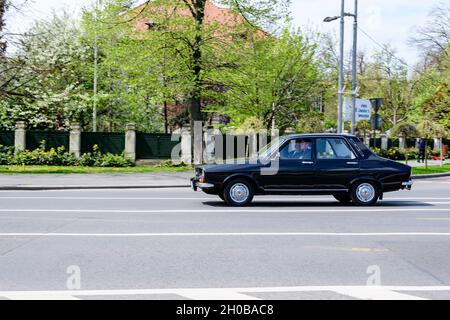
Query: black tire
(365, 193)
(343, 198)
(237, 189)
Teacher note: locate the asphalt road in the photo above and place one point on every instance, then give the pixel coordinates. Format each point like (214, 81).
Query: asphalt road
(178, 244)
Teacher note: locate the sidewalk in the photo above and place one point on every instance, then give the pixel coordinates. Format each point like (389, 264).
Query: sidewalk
(414, 163)
(94, 181)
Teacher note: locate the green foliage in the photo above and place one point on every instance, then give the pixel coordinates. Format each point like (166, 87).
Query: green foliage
(170, 164)
(391, 153)
(60, 157)
(430, 129)
(272, 78)
(312, 123)
(250, 124)
(405, 130)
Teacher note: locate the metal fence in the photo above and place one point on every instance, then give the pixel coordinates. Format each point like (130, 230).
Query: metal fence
(155, 146)
(7, 138)
(53, 139)
(107, 142)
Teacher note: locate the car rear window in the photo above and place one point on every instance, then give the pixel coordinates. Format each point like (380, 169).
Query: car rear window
(360, 147)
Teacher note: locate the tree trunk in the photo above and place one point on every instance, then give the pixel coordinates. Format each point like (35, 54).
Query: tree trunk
(3, 9)
(195, 113)
(166, 118)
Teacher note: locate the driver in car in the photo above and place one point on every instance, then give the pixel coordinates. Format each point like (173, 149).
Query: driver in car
(302, 151)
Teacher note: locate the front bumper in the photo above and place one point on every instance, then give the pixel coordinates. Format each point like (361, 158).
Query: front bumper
(408, 184)
(196, 184)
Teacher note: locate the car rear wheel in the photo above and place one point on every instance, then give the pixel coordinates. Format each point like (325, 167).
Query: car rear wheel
(365, 193)
(238, 193)
(343, 198)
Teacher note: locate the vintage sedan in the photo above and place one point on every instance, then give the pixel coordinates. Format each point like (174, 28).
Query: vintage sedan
(309, 164)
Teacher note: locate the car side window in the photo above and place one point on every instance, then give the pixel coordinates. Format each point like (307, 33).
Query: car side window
(333, 148)
(297, 149)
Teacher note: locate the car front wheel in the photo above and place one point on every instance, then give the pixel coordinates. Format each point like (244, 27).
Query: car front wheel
(365, 193)
(238, 193)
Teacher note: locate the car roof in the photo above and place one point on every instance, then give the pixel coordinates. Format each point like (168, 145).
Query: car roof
(320, 135)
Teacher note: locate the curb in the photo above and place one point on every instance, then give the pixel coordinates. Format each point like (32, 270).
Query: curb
(432, 175)
(37, 188)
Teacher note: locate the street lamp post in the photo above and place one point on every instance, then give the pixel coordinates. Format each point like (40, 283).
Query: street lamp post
(341, 65)
(354, 73)
(341, 71)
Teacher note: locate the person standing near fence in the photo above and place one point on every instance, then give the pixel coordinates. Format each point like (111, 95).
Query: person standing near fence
(421, 148)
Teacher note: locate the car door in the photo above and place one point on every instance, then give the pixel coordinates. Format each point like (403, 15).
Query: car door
(296, 167)
(337, 163)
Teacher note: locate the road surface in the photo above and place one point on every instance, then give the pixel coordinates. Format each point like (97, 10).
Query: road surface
(178, 244)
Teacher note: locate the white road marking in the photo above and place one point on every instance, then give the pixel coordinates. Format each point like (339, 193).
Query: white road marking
(232, 234)
(207, 294)
(365, 292)
(434, 219)
(374, 293)
(31, 296)
(230, 210)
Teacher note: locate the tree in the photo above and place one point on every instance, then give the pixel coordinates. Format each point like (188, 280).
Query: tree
(433, 38)
(274, 79)
(387, 77)
(405, 130)
(128, 70)
(47, 89)
(430, 129)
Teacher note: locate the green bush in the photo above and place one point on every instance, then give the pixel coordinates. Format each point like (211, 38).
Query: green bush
(113, 160)
(60, 157)
(391, 153)
(170, 164)
(6, 154)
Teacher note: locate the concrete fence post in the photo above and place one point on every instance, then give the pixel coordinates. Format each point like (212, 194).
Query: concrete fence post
(186, 154)
(130, 141)
(401, 142)
(75, 140)
(367, 140)
(253, 143)
(20, 136)
(198, 142)
(208, 155)
(384, 142)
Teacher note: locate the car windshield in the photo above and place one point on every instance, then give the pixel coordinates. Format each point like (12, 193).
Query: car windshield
(265, 153)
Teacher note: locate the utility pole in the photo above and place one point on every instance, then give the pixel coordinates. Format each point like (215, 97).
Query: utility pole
(341, 65)
(94, 111)
(354, 71)
(341, 71)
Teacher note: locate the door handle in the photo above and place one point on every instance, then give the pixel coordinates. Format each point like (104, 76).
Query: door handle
(352, 162)
(307, 162)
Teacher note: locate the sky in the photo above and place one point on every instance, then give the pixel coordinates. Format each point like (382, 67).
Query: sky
(386, 21)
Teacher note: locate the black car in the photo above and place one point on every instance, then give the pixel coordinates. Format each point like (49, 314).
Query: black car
(308, 164)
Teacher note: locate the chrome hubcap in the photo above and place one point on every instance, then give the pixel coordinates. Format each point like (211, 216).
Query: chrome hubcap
(365, 192)
(239, 193)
